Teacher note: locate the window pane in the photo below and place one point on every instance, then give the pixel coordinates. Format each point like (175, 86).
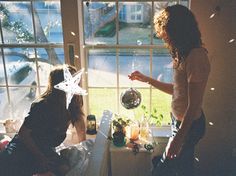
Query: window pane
(99, 22)
(3, 101)
(21, 99)
(162, 102)
(46, 59)
(161, 70)
(53, 56)
(20, 66)
(17, 25)
(131, 60)
(3, 90)
(184, 3)
(162, 67)
(101, 99)
(135, 28)
(48, 25)
(2, 74)
(102, 68)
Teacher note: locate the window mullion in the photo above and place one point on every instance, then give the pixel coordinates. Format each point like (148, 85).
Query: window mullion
(150, 87)
(5, 74)
(4, 64)
(84, 52)
(117, 57)
(118, 79)
(152, 11)
(35, 50)
(117, 22)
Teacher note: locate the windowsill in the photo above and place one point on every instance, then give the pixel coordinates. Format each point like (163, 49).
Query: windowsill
(162, 131)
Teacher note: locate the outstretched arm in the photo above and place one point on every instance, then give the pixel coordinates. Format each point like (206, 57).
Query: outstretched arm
(165, 87)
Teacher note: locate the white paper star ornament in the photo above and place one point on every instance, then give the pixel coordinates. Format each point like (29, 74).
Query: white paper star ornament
(70, 85)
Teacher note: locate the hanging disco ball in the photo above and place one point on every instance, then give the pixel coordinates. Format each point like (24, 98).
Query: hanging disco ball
(130, 98)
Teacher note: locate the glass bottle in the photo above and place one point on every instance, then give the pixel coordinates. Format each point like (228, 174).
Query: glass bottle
(144, 128)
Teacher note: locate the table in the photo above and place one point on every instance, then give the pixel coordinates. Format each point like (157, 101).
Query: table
(107, 159)
(125, 162)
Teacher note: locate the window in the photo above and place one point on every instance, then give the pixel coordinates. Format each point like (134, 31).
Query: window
(139, 17)
(132, 17)
(138, 8)
(114, 47)
(31, 42)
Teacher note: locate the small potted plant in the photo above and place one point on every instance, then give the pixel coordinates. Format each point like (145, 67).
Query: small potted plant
(119, 131)
(153, 117)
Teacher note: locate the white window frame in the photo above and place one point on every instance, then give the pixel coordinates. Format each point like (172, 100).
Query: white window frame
(33, 46)
(84, 48)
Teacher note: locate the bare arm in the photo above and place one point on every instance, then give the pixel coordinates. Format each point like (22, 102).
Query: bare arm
(165, 87)
(80, 129)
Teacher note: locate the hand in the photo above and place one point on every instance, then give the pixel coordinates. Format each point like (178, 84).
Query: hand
(174, 146)
(136, 75)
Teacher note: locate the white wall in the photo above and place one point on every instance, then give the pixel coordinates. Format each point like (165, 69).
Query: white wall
(215, 150)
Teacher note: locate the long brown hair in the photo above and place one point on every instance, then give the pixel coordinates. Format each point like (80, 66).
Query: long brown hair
(59, 97)
(178, 27)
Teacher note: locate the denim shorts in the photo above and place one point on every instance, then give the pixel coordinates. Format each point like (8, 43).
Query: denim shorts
(183, 165)
(196, 131)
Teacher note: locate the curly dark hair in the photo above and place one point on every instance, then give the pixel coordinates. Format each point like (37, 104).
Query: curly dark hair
(177, 26)
(59, 97)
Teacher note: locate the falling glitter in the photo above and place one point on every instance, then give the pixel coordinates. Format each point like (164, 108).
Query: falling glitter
(212, 88)
(211, 123)
(212, 15)
(70, 85)
(231, 40)
(139, 42)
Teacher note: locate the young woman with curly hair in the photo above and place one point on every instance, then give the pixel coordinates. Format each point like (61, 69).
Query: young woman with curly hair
(177, 26)
(32, 150)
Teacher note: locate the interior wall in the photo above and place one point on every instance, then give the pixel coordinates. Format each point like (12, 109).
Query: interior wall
(72, 37)
(70, 26)
(215, 151)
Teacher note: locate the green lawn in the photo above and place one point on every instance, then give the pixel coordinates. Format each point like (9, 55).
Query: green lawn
(106, 99)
